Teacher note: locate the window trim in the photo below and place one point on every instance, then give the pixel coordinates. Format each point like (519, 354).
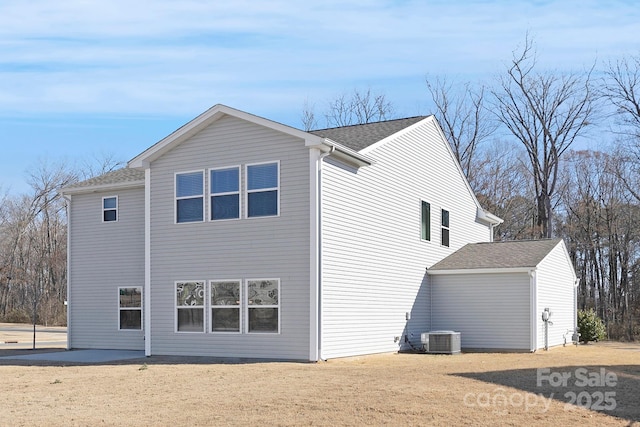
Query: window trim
(247, 191)
(422, 221)
(212, 194)
(177, 307)
(240, 306)
(176, 198)
(443, 227)
(131, 309)
(250, 307)
(110, 209)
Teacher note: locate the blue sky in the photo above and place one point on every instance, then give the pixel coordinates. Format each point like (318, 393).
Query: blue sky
(83, 78)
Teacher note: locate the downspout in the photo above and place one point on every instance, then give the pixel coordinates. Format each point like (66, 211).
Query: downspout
(576, 282)
(533, 295)
(67, 197)
(317, 250)
(147, 261)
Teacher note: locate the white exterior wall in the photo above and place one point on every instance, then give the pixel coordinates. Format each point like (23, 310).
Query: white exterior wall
(274, 247)
(555, 279)
(373, 259)
(103, 257)
(491, 311)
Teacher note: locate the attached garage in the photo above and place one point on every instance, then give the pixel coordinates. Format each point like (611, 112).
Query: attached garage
(495, 294)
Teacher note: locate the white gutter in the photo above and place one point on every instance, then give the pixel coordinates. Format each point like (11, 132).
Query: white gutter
(341, 152)
(493, 270)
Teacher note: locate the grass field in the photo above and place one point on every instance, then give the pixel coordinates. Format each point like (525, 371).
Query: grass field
(386, 389)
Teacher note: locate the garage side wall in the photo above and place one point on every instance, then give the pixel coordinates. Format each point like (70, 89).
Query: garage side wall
(491, 311)
(555, 282)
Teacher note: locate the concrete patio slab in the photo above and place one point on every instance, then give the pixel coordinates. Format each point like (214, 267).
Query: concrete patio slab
(81, 356)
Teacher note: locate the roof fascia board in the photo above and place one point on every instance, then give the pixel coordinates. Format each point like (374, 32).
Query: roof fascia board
(494, 270)
(398, 134)
(201, 122)
(102, 187)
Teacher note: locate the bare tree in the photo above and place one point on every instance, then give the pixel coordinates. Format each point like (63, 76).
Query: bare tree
(464, 120)
(546, 112)
(99, 164)
(309, 120)
(356, 108)
(622, 89)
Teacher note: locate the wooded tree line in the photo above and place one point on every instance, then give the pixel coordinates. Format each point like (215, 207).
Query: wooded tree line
(33, 244)
(557, 154)
(553, 153)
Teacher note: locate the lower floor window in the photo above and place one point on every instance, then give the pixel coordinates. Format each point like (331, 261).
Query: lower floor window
(130, 308)
(190, 306)
(225, 306)
(263, 305)
(230, 306)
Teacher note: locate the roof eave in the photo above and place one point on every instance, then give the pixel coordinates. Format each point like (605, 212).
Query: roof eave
(201, 122)
(102, 187)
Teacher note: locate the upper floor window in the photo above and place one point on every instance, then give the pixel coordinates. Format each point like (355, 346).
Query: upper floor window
(225, 193)
(109, 209)
(190, 196)
(444, 240)
(263, 182)
(425, 225)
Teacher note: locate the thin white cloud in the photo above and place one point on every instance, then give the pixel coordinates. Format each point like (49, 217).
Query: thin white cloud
(166, 56)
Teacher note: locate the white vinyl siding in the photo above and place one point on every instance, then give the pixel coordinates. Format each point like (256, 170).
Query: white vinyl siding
(274, 246)
(491, 311)
(555, 281)
(103, 259)
(373, 259)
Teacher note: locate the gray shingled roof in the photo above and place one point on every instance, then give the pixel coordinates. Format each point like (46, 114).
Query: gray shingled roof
(355, 137)
(116, 177)
(512, 254)
(358, 137)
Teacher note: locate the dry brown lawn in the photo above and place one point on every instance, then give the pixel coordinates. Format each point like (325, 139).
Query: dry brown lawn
(387, 389)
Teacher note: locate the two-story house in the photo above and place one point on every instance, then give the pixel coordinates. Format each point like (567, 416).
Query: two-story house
(236, 236)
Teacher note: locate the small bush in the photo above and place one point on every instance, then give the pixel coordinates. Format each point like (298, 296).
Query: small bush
(590, 326)
(17, 316)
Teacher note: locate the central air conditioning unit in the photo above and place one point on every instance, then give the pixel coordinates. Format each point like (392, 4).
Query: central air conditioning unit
(441, 342)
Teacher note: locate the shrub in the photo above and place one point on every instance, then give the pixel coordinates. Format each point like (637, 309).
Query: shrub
(590, 326)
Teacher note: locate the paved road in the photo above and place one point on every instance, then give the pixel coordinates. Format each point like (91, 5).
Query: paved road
(20, 336)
